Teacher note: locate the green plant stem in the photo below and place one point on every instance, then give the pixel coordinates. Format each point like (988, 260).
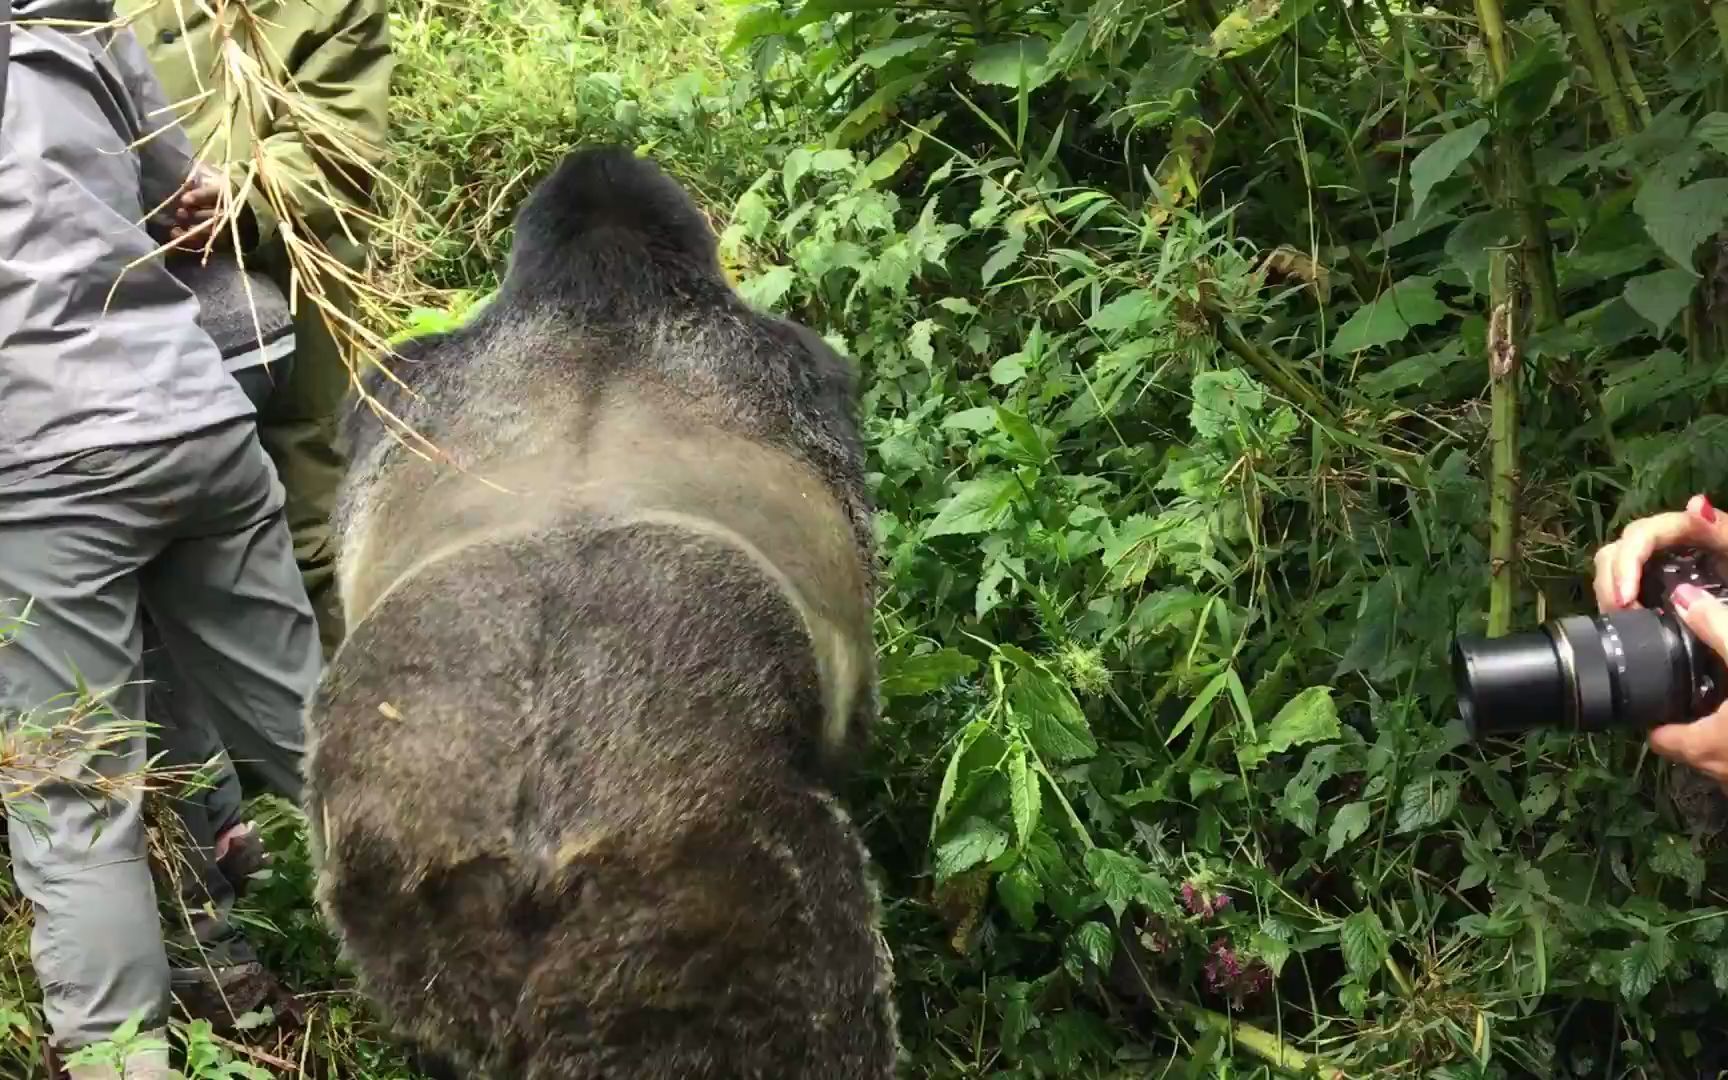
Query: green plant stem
(1581, 15)
(1257, 1041)
(1503, 364)
(1629, 77)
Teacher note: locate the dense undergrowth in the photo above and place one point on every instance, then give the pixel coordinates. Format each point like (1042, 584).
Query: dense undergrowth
(1175, 325)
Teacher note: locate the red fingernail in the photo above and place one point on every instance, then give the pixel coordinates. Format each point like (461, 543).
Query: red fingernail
(1687, 595)
(1705, 510)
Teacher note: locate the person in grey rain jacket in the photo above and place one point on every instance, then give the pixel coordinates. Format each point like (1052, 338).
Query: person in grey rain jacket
(131, 480)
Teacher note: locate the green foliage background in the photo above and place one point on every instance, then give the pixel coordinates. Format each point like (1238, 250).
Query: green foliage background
(1174, 322)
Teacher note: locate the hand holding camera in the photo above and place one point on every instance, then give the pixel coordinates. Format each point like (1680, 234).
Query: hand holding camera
(1654, 659)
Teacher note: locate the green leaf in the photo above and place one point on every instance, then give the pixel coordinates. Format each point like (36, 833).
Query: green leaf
(1095, 942)
(910, 676)
(978, 841)
(951, 777)
(1129, 311)
(1440, 159)
(1255, 23)
(1390, 316)
(893, 49)
(1002, 64)
(1681, 220)
(1024, 434)
(1221, 397)
(1350, 822)
(1712, 131)
(1311, 716)
(1020, 891)
(978, 505)
(1644, 964)
(767, 288)
(1005, 253)
(1719, 969)
(1675, 857)
(1052, 716)
(1363, 941)
(1024, 794)
(1008, 370)
(1659, 297)
(1428, 801)
(1116, 876)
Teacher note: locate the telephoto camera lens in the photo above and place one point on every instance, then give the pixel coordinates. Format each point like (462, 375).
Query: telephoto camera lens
(1633, 669)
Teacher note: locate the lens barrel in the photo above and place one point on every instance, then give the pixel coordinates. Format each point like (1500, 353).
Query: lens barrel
(1632, 669)
(1507, 684)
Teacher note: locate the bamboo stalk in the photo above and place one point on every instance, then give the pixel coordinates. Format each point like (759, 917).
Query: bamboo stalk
(1503, 370)
(1628, 77)
(1533, 270)
(1581, 14)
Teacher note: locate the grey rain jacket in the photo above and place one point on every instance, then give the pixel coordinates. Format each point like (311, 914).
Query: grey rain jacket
(81, 369)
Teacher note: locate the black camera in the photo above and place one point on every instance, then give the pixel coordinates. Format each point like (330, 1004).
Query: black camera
(1638, 668)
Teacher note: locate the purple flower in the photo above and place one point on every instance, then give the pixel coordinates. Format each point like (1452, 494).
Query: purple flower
(1220, 902)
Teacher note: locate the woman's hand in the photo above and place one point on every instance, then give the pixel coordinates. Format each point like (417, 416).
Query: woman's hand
(1703, 743)
(1620, 564)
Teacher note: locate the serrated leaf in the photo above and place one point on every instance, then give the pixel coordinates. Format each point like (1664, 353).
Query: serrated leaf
(767, 288)
(1006, 252)
(1644, 964)
(1427, 801)
(1024, 795)
(1390, 316)
(1095, 942)
(1116, 876)
(1127, 312)
(1440, 159)
(1681, 220)
(1675, 857)
(919, 343)
(978, 841)
(1054, 721)
(1221, 397)
(1363, 941)
(1350, 822)
(909, 676)
(1311, 716)
(1020, 892)
(977, 506)
(1659, 297)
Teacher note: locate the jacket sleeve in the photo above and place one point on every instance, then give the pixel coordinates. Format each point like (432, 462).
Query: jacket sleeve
(346, 76)
(165, 156)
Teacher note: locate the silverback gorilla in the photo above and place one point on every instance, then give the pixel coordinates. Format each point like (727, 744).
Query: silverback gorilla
(569, 777)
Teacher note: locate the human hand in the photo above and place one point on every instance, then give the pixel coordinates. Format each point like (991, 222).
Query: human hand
(199, 207)
(1703, 743)
(1619, 565)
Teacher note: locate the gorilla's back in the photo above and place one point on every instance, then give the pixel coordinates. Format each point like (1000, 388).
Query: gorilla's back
(584, 687)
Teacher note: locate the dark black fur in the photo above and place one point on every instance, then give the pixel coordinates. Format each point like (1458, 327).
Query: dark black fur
(564, 778)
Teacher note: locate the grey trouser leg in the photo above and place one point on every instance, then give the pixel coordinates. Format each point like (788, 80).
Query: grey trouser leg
(206, 796)
(193, 531)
